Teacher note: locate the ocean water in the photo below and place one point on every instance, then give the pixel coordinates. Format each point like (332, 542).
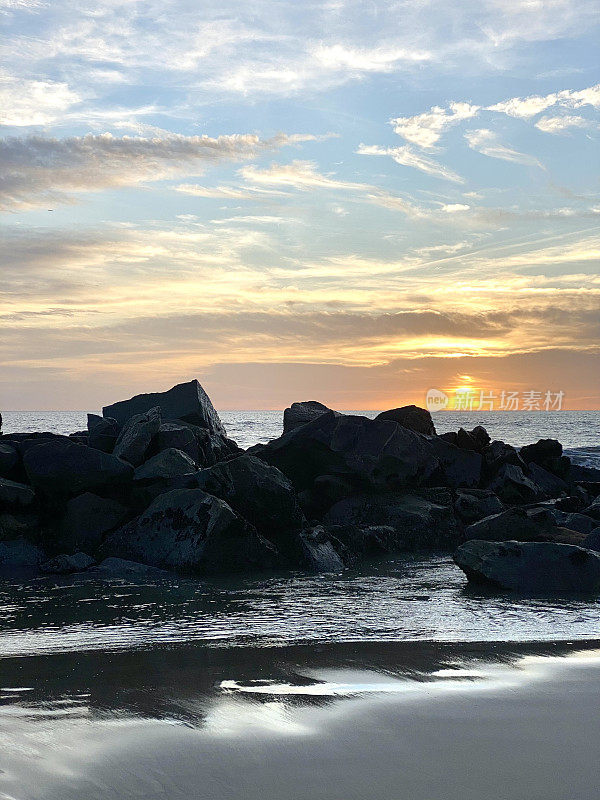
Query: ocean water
(579, 431)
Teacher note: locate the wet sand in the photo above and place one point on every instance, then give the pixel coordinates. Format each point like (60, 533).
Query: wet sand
(346, 722)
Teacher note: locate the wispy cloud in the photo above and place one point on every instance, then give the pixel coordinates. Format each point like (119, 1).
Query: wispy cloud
(408, 157)
(485, 142)
(426, 129)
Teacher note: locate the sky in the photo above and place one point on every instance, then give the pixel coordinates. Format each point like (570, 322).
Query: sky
(353, 202)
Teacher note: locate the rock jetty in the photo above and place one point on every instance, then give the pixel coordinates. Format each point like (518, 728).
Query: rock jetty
(155, 482)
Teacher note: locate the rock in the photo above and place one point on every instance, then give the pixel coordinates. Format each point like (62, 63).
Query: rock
(15, 495)
(102, 432)
(87, 520)
(511, 485)
(17, 524)
(9, 460)
(593, 510)
(120, 567)
(544, 451)
(191, 531)
(64, 564)
(261, 494)
(65, 469)
(378, 452)
(499, 453)
(457, 468)
(530, 567)
(565, 536)
(514, 523)
(186, 401)
(481, 437)
(411, 417)
(451, 437)
(418, 523)
(319, 553)
(300, 413)
(165, 465)
(136, 437)
(549, 484)
(213, 448)
(592, 540)
(181, 437)
(370, 541)
(575, 522)
(20, 553)
(475, 504)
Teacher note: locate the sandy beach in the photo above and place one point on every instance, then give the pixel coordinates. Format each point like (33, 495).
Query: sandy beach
(421, 721)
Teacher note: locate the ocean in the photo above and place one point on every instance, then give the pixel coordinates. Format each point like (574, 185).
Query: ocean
(578, 431)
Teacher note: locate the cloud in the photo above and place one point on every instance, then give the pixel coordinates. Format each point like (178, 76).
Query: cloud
(39, 170)
(484, 141)
(33, 102)
(526, 107)
(426, 129)
(301, 175)
(408, 157)
(560, 124)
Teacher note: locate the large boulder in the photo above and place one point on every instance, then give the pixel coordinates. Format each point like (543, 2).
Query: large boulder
(377, 452)
(472, 505)
(121, 568)
(136, 437)
(418, 522)
(9, 460)
(300, 413)
(514, 523)
(456, 467)
(261, 494)
(575, 522)
(411, 417)
(530, 567)
(86, 521)
(15, 495)
(549, 484)
(186, 401)
(593, 510)
(547, 453)
(179, 436)
(499, 453)
(191, 531)
(102, 432)
(63, 468)
(512, 485)
(16, 524)
(163, 466)
(592, 540)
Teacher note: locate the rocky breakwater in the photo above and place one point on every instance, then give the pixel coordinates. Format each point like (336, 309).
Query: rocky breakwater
(155, 481)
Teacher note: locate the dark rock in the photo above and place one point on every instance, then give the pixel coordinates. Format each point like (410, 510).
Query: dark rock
(457, 468)
(592, 540)
(165, 465)
(136, 437)
(511, 486)
(87, 520)
(514, 523)
(379, 452)
(411, 417)
(549, 484)
(575, 502)
(465, 441)
(418, 523)
(121, 568)
(319, 552)
(300, 413)
(15, 495)
(64, 468)
(542, 452)
(9, 460)
(65, 564)
(18, 524)
(181, 437)
(103, 432)
(475, 504)
(370, 541)
(575, 522)
(451, 437)
(191, 531)
(213, 447)
(20, 553)
(261, 494)
(499, 453)
(565, 536)
(481, 437)
(530, 567)
(593, 510)
(186, 401)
